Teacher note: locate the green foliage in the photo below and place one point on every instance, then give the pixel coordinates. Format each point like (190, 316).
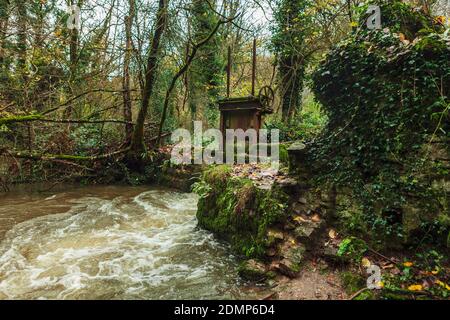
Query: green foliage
(202, 188)
(427, 276)
(250, 272)
(158, 97)
(386, 99)
(293, 24)
(87, 138)
(352, 281)
(284, 155)
(399, 17)
(353, 248)
(448, 240)
(217, 174)
(206, 71)
(308, 124)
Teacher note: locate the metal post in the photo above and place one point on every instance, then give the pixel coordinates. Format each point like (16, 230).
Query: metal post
(229, 72)
(254, 67)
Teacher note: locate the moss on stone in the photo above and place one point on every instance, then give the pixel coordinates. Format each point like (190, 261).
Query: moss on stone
(385, 156)
(352, 282)
(236, 210)
(217, 174)
(252, 270)
(284, 155)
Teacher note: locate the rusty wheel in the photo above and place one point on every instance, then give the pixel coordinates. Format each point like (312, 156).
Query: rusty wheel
(266, 97)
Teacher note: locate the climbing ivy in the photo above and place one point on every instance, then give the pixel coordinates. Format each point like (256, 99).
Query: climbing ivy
(385, 93)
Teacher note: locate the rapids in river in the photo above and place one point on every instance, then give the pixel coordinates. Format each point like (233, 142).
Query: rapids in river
(111, 242)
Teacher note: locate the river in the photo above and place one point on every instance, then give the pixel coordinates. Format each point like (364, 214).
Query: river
(111, 242)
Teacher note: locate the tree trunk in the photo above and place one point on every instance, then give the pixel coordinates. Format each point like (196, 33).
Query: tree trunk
(4, 19)
(22, 39)
(137, 147)
(180, 72)
(127, 113)
(73, 56)
(292, 73)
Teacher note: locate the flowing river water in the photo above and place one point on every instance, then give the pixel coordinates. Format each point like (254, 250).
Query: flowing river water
(111, 242)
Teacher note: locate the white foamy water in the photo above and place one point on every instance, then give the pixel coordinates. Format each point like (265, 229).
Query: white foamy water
(125, 247)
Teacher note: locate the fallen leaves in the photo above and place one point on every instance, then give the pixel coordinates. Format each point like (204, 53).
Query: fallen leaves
(299, 219)
(403, 39)
(365, 262)
(260, 174)
(277, 234)
(408, 264)
(332, 234)
(442, 284)
(415, 287)
(387, 266)
(439, 20)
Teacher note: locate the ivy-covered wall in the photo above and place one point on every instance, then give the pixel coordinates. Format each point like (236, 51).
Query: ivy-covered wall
(386, 94)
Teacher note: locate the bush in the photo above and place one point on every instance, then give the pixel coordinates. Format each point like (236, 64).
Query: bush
(305, 126)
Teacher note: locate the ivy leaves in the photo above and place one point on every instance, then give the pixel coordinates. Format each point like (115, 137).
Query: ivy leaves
(383, 98)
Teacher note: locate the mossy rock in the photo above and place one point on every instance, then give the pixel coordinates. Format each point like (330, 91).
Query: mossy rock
(352, 281)
(308, 231)
(234, 209)
(271, 275)
(288, 268)
(273, 236)
(252, 270)
(330, 253)
(296, 254)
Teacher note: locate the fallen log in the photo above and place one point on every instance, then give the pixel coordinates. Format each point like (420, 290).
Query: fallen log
(40, 118)
(50, 157)
(66, 157)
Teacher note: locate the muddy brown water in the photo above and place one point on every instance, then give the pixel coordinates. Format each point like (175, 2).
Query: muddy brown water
(111, 242)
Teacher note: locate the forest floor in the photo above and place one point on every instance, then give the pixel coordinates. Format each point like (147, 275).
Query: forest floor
(313, 283)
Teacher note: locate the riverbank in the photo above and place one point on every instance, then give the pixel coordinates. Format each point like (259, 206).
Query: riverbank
(286, 232)
(48, 209)
(283, 232)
